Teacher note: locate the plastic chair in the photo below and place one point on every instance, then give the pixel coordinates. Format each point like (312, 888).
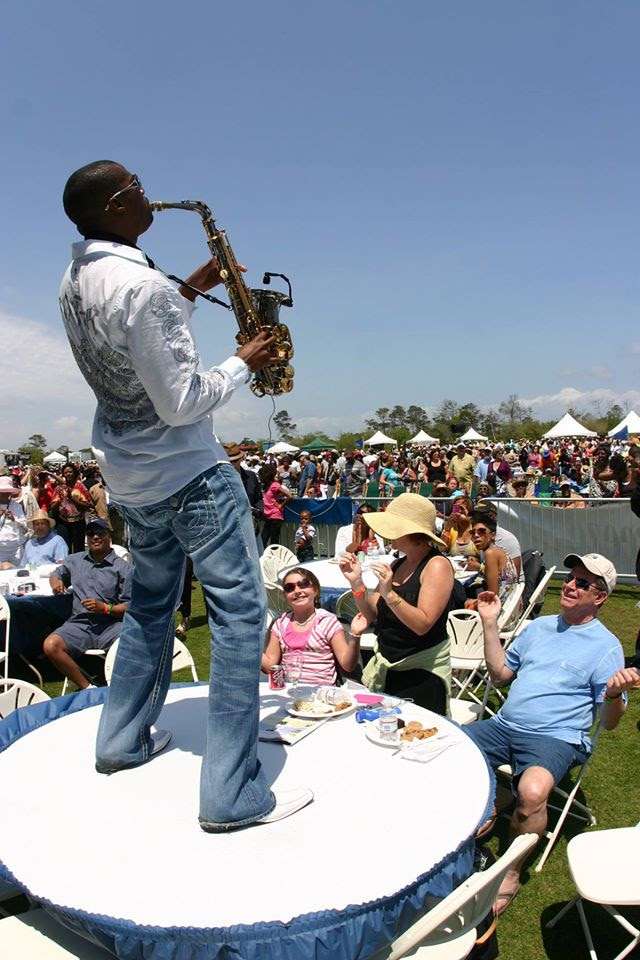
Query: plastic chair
(585, 814)
(35, 935)
(274, 559)
(182, 659)
(448, 930)
(5, 616)
(276, 602)
(97, 652)
(346, 609)
(508, 635)
(510, 606)
(610, 888)
(121, 552)
(425, 489)
(466, 639)
(15, 694)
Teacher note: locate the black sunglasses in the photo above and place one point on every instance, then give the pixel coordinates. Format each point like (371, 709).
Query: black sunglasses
(290, 587)
(582, 583)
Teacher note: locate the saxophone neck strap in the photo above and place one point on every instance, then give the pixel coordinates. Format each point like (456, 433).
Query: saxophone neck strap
(188, 286)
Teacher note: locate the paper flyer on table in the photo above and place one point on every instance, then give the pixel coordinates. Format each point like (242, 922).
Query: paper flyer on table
(279, 727)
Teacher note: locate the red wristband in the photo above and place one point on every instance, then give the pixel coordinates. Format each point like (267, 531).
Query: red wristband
(358, 593)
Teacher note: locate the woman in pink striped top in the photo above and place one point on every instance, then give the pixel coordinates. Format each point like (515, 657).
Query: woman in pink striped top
(309, 636)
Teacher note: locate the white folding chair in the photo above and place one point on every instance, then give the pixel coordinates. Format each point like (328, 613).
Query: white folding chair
(15, 694)
(506, 636)
(5, 617)
(97, 652)
(448, 930)
(35, 935)
(568, 803)
(510, 606)
(588, 854)
(346, 609)
(466, 639)
(274, 559)
(121, 552)
(182, 659)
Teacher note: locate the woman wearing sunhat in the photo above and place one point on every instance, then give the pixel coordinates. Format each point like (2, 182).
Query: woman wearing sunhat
(409, 606)
(45, 546)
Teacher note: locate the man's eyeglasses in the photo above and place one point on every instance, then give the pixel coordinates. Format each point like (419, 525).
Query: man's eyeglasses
(134, 185)
(299, 584)
(582, 583)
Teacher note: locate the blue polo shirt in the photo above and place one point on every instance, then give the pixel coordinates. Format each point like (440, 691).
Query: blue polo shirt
(49, 549)
(561, 676)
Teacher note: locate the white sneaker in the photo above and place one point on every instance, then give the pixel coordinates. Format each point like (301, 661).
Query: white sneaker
(288, 802)
(159, 740)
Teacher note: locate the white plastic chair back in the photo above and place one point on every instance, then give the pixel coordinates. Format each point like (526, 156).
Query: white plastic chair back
(182, 659)
(5, 615)
(276, 601)
(121, 552)
(18, 693)
(346, 607)
(464, 908)
(510, 606)
(274, 559)
(466, 637)
(534, 599)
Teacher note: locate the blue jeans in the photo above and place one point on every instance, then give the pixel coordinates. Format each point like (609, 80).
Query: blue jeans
(210, 521)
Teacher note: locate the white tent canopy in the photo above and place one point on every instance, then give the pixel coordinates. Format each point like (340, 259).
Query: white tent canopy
(422, 437)
(568, 426)
(379, 438)
(471, 434)
(631, 422)
(282, 447)
(54, 457)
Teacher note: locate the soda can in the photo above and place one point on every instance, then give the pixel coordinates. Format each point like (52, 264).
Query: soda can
(276, 677)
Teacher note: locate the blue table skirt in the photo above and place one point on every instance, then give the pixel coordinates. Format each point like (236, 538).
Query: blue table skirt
(351, 934)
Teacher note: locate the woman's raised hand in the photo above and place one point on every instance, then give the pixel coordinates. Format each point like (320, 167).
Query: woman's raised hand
(350, 568)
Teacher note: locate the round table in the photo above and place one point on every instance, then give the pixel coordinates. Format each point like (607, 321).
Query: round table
(334, 880)
(39, 577)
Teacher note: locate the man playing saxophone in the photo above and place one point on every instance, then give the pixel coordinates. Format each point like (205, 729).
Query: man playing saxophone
(128, 326)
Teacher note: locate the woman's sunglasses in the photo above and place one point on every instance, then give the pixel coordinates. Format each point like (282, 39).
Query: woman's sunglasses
(298, 585)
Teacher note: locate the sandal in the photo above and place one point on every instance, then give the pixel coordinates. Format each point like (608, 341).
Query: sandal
(503, 900)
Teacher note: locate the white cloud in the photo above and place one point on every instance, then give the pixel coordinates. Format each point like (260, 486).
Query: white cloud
(551, 403)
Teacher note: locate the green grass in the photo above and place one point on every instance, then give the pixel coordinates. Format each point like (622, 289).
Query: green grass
(611, 789)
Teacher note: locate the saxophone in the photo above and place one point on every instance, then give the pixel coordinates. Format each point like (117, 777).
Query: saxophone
(255, 310)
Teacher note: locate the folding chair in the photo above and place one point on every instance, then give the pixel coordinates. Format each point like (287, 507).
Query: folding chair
(346, 609)
(585, 814)
(274, 559)
(35, 935)
(448, 930)
(97, 652)
(619, 887)
(5, 616)
(508, 635)
(466, 639)
(182, 659)
(15, 694)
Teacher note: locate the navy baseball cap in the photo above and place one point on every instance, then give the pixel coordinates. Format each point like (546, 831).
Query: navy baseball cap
(97, 523)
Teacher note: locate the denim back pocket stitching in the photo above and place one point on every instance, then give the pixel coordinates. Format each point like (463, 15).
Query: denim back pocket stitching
(198, 523)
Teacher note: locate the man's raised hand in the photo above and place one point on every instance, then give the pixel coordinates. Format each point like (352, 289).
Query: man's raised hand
(489, 605)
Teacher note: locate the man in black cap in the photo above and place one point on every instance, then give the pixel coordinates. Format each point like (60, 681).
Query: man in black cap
(101, 583)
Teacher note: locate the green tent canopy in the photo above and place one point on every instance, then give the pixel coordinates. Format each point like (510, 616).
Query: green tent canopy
(318, 444)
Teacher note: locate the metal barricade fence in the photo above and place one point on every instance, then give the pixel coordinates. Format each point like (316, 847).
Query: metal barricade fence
(605, 526)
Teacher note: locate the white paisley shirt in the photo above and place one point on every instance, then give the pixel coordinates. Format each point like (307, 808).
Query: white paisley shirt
(129, 330)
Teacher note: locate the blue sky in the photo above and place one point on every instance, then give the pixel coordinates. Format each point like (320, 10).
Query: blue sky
(453, 189)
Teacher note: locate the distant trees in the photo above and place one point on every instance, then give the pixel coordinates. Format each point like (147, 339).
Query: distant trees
(34, 448)
(284, 424)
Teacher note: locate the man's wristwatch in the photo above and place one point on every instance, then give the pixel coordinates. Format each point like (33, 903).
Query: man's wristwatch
(617, 696)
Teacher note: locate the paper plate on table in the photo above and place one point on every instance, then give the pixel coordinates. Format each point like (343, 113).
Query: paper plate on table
(317, 714)
(372, 733)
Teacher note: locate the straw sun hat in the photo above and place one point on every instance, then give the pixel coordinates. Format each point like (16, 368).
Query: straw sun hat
(408, 513)
(43, 515)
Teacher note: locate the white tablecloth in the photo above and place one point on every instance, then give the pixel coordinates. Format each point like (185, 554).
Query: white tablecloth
(377, 823)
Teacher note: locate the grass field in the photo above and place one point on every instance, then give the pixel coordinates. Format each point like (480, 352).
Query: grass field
(611, 787)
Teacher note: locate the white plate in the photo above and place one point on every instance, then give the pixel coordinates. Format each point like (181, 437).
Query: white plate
(307, 715)
(372, 733)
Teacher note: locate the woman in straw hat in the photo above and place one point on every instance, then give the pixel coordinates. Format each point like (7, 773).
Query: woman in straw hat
(409, 606)
(45, 546)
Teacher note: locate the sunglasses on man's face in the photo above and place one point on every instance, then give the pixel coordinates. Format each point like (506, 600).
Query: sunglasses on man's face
(133, 185)
(296, 585)
(582, 583)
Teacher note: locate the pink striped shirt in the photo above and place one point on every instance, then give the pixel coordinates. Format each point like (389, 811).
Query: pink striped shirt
(313, 646)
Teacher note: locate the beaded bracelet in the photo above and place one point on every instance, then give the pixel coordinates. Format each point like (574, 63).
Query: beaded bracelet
(358, 593)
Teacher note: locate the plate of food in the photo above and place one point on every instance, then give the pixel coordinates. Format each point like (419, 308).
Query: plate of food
(312, 709)
(409, 733)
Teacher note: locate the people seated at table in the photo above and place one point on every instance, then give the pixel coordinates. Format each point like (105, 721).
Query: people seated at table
(496, 570)
(409, 607)
(307, 637)
(304, 537)
(13, 524)
(45, 546)
(354, 535)
(561, 669)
